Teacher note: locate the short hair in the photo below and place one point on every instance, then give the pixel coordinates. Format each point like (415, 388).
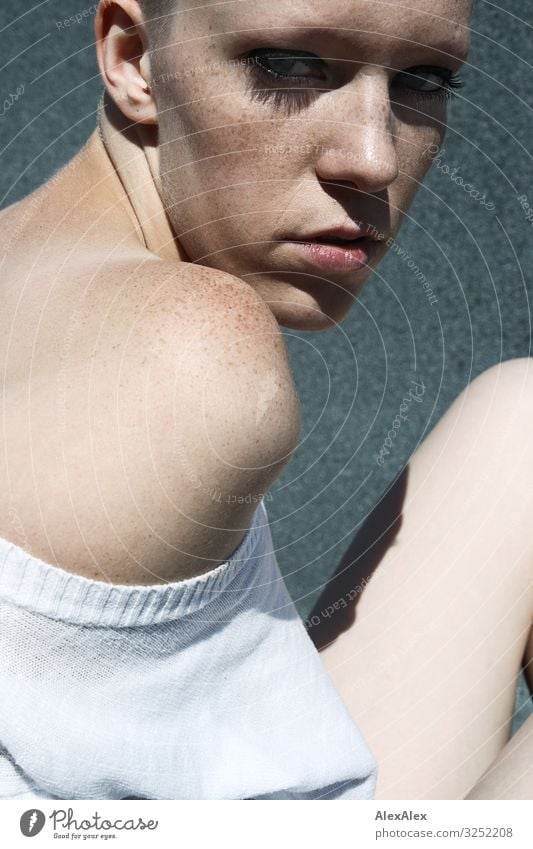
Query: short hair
(158, 15)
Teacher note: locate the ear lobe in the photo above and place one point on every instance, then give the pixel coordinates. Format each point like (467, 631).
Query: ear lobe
(138, 104)
(122, 53)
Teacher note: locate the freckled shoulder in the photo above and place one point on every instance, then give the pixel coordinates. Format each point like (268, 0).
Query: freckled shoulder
(214, 336)
(163, 409)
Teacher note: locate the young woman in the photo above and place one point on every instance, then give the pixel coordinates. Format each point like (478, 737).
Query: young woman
(251, 165)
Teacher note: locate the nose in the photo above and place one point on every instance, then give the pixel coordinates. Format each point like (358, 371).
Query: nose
(359, 146)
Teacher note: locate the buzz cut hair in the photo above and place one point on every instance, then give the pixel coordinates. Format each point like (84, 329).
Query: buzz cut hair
(157, 8)
(158, 15)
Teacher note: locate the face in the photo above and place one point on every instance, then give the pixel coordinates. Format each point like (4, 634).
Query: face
(293, 137)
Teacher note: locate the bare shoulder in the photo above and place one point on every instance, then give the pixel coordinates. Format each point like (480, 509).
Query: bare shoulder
(207, 338)
(160, 409)
(201, 301)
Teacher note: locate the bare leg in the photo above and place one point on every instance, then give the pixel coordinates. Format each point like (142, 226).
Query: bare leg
(427, 663)
(528, 663)
(511, 774)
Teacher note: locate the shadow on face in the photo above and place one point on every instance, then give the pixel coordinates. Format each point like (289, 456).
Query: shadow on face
(279, 125)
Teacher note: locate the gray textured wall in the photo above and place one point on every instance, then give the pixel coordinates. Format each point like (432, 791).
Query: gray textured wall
(352, 379)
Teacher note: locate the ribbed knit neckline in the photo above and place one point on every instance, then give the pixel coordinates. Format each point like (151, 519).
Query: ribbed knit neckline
(43, 588)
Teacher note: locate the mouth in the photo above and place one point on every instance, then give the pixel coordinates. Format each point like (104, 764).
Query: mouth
(339, 250)
(344, 233)
(332, 240)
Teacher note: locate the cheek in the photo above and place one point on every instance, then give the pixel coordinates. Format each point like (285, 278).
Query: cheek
(223, 162)
(208, 138)
(232, 190)
(226, 170)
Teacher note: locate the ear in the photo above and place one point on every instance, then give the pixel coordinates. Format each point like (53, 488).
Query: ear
(122, 52)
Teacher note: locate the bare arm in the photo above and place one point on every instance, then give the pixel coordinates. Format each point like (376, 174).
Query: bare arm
(152, 436)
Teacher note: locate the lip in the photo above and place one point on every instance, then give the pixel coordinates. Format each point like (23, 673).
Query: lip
(353, 255)
(328, 257)
(344, 231)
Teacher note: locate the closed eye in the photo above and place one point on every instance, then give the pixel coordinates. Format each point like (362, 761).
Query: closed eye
(428, 81)
(295, 65)
(293, 78)
(290, 79)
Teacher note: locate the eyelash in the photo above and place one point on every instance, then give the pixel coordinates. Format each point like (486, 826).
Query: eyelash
(449, 86)
(304, 91)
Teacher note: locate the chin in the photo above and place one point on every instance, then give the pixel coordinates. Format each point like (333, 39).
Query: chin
(302, 319)
(320, 308)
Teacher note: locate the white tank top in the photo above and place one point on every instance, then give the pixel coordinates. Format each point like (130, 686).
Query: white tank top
(208, 688)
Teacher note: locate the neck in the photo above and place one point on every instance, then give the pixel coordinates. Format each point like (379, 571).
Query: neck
(132, 150)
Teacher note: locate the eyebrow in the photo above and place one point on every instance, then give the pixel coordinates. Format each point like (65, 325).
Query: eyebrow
(457, 49)
(454, 48)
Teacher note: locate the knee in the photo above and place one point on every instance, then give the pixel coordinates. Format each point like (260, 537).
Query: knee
(491, 418)
(516, 374)
(507, 387)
